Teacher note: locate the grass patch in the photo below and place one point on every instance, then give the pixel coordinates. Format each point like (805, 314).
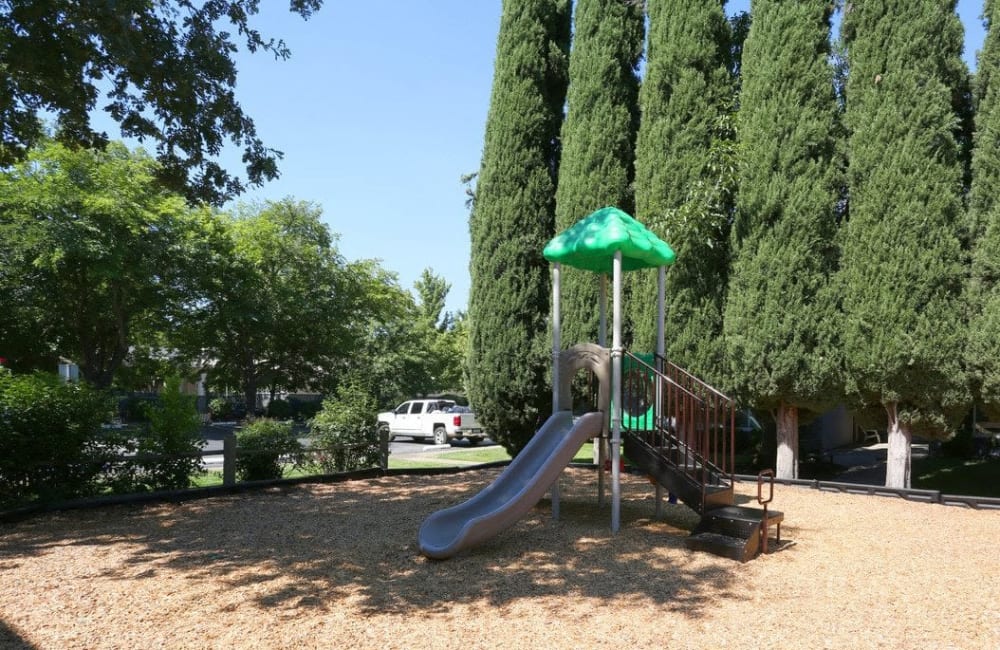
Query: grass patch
(210, 478)
(213, 477)
(423, 463)
(586, 453)
(498, 453)
(484, 455)
(427, 460)
(979, 478)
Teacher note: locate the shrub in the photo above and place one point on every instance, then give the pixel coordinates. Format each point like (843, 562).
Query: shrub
(174, 428)
(279, 409)
(345, 429)
(135, 408)
(51, 443)
(261, 445)
(220, 409)
(303, 410)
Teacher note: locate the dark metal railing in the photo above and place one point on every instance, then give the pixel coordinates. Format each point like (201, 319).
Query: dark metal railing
(691, 422)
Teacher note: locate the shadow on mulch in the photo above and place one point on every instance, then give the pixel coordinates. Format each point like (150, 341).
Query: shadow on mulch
(12, 640)
(357, 540)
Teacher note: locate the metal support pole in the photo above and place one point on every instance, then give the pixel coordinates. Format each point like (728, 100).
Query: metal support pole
(661, 347)
(616, 392)
(602, 340)
(556, 343)
(383, 447)
(661, 311)
(229, 459)
(602, 332)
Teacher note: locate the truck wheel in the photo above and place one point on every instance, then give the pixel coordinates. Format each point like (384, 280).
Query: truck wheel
(440, 435)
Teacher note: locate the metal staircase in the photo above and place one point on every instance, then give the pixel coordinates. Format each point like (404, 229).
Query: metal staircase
(680, 431)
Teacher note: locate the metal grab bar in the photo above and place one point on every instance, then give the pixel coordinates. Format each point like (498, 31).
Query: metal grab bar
(760, 499)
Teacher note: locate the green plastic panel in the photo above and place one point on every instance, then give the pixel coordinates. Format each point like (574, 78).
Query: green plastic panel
(590, 244)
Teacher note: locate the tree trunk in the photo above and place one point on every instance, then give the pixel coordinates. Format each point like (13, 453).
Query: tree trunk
(249, 385)
(897, 467)
(787, 461)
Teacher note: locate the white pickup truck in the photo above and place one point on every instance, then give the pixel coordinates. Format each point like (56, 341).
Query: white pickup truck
(439, 419)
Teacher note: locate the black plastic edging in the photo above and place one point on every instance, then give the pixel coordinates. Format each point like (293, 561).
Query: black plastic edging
(189, 494)
(921, 496)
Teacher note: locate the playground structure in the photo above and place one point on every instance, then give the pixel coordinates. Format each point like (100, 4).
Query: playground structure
(675, 427)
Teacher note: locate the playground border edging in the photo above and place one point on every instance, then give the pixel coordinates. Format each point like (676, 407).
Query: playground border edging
(189, 494)
(922, 496)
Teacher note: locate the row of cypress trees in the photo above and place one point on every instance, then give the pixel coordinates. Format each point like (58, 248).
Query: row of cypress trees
(837, 226)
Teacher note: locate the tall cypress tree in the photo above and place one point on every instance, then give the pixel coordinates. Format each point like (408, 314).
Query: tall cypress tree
(598, 138)
(779, 309)
(902, 263)
(685, 96)
(512, 219)
(984, 209)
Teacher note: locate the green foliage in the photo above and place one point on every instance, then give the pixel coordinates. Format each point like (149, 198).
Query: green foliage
(305, 410)
(901, 274)
(683, 176)
(91, 254)
(433, 290)
(394, 360)
(167, 73)
(441, 334)
(221, 409)
(345, 430)
(596, 168)
(264, 446)
(277, 304)
(984, 208)
(134, 408)
(50, 438)
(280, 409)
(780, 311)
(174, 426)
(513, 217)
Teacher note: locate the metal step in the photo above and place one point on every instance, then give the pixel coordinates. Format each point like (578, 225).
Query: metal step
(732, 531)
(735, 548)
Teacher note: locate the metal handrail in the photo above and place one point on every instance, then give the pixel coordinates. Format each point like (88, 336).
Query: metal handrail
(662, 376)
(687, 374)
(687, 415)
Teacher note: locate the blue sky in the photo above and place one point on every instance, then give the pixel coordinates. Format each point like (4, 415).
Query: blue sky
(380, 111)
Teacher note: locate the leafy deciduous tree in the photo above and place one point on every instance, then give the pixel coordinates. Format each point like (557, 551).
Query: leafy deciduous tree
(91, 251)
(165, 68)
(433, 291)
(278, 306)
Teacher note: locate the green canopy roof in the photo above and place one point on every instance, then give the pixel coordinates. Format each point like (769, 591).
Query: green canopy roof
(590, 244)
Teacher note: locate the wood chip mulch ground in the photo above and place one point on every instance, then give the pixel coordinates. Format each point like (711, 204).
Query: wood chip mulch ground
(324, 566)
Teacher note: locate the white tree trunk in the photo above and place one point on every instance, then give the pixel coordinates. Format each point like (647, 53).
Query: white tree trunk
(787, 461)
(897, 466)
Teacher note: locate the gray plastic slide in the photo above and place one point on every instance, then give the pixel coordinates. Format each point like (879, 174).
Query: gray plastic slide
(514, 492)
